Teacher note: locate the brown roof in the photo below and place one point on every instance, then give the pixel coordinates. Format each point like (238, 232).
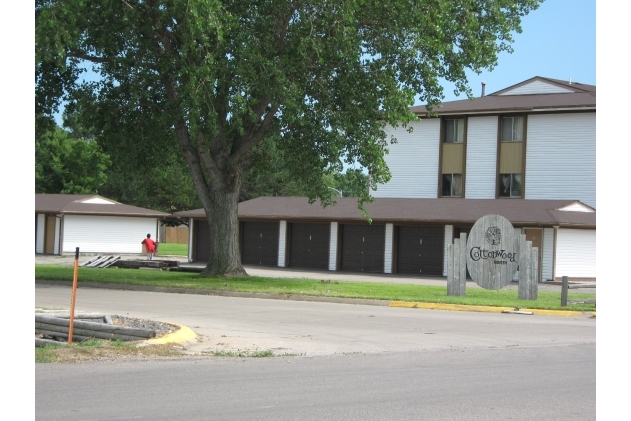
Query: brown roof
(583, 97)
(419, 211)
(71, 204)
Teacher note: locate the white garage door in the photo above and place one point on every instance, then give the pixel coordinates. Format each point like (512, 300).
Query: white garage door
(106, 234)
(576, 253)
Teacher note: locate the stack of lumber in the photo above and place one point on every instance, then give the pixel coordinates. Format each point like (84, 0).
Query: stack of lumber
(58, 327)
(115, 261)
(101, 262)
(156, 264)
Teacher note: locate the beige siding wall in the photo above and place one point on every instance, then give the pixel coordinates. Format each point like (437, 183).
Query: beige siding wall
(452, 158)
(511, 157)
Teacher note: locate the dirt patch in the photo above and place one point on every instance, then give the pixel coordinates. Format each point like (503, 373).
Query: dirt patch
(102, 350)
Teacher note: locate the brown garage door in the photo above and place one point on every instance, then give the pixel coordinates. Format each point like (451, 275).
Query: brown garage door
(260, 243)
(420, 250)
(202, 241)
(363, 247)
(309, 246)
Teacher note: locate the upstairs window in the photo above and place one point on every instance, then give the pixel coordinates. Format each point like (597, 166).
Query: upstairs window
(452, 185)
(512, 129)
(454, 130)
(510, 185)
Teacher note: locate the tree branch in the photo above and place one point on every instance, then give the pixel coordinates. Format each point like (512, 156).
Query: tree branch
(244, 146)
(83, 56)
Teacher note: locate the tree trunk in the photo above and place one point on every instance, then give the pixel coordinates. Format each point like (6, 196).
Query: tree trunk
(217, 179)
(225, 254)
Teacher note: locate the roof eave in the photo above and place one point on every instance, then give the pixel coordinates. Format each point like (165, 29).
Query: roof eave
(147, 215)
(507, 110)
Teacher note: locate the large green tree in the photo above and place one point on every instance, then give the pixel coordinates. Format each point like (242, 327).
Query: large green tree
(321, 77)
(66, 165)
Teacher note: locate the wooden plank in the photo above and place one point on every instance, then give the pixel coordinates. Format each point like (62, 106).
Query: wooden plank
(462, 255)
(61, 335)
(145, 333)
(109, 262)
(450, 269)
(524, 267)
(564, 288)
(528, 269)
(97, 261)
(136, 264)
(187, 269)
(87, 262)
(66, 314)
(457, 266)
(587, 301)
(103, 261)
(577, 286)
(40, 343)
(534, 274)
(517, 312)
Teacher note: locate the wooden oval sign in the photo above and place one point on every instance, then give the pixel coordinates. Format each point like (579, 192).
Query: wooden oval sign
(492, 252)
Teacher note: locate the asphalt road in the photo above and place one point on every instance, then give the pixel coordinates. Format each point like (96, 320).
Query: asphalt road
(360, 362)
(485, 384)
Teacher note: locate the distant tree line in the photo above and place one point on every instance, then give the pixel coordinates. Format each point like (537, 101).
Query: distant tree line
(78, 159)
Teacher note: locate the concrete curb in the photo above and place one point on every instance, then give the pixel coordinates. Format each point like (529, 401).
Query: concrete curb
(182, 335)
(484, 309)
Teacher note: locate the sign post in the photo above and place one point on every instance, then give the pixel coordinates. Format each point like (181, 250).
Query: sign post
(74, 295)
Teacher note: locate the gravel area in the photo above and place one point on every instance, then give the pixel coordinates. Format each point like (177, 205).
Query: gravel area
(160, 327)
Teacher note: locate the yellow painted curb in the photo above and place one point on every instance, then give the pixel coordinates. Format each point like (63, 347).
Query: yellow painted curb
(182, 335)
(486, 309)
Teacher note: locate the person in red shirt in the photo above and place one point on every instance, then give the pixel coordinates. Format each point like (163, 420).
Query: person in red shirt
(150, 245)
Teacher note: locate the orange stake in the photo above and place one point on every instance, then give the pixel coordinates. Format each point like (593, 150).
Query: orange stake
(74, 295)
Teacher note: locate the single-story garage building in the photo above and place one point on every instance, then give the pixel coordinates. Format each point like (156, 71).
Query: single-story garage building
(93, 223)
(406, 236)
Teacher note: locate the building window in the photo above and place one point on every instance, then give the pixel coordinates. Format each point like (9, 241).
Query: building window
(512, 129)
(454, 130)
(510, 185)
(452, 185)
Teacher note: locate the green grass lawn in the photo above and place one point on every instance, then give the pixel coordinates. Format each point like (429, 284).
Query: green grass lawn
(312, 287)
(172, 249)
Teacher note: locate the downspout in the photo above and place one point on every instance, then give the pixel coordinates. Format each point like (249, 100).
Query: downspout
(554, 254)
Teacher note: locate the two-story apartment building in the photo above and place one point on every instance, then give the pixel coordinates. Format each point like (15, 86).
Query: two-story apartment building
(533, 140)
(527, 152)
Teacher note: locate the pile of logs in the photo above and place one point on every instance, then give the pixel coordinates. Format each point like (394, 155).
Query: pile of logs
(57, 326)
